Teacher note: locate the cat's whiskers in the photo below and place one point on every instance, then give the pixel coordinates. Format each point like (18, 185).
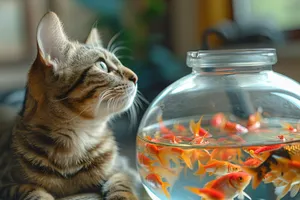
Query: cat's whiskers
(117, 44)
(120, 48)
(113, 40)
(124, 56)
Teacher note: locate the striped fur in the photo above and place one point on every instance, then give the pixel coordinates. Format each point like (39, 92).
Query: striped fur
(60, 146)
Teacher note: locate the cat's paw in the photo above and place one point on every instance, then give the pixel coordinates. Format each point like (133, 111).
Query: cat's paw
(121, 196)
(39, 195)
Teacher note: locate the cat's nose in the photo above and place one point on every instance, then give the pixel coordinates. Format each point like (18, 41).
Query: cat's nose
(133, 78)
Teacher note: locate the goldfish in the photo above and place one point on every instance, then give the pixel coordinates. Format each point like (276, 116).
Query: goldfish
(179, 127)
(281, 137)
(197, 130)
(254, 120)
(231, 185)
(172, 138)
(163, 128)
(289, 127)
(199, 140)
(164, 154)
(156, 181)
(227, 154)
(200, 154)
(268, 148)
(219, 120)
(207, 193)
(171, 175)
(252, 162)
(234, 127)
(145, 161)
(290, 152)
(215, 167)
(283, 186)
(185, 138)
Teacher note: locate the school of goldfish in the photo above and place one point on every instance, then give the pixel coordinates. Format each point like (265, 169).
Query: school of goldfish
(160, 165)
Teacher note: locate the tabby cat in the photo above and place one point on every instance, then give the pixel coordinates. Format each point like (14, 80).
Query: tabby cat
(61, 146)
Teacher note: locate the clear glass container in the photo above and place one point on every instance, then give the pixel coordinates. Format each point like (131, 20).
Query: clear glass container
(228, 130)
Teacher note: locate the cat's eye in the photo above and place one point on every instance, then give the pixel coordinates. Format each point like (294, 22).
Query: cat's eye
(102, 65)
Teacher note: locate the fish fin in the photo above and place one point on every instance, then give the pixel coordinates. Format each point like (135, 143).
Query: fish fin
(193, 189)
(281, 191)
(209, 184)
(201, 169)
(199, 122)
(186, 157)
(241, 196)
(211, 161)
(162, 157)
(294, 190)
(246, 195)
(165, 186)
(192, 126)
(257, 175)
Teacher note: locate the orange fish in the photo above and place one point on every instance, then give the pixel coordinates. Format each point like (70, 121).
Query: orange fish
(197, 130)
(231, 185)
(219, 120)
(198, 154)
(254, 120)
(289, 127)
(270, 164)
(219, 168)
(165, 154)
(252, 162)
(227, 154)
(281, 137)
(179, 127)
(172, 138)
(198, 140)
(185, 138)
(163, 128)
(268, 148)
(156, 181)
(207, 193)
(175, 153)
(171, 175)
(145, 161)
(234, 127)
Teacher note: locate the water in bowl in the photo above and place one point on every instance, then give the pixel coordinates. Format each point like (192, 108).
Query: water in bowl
(179, 159)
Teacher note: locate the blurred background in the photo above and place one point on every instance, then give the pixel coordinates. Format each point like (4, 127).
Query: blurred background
(158, 32)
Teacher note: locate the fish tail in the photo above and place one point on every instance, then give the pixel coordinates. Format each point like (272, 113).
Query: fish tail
(201, 170)
(165, 186)
(257, 175)
(282, 191)
(186, 157)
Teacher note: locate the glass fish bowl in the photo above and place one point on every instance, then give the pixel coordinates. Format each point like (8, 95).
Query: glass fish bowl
(228, 130)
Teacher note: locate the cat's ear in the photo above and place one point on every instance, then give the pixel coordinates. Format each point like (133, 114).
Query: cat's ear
(51, 39)
(94, 38)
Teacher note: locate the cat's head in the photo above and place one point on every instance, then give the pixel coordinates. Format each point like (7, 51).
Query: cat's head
(77, 79)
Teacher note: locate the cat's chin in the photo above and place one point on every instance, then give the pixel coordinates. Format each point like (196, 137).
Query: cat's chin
(120, 105)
